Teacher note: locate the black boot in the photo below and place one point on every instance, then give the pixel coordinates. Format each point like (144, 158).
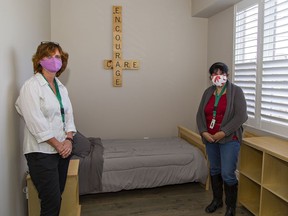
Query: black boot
(217, 187)
(231, 198)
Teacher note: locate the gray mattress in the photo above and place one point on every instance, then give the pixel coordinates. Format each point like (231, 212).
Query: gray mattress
(143, 163)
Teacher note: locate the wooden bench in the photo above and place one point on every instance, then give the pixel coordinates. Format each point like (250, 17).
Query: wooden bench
(70, 197)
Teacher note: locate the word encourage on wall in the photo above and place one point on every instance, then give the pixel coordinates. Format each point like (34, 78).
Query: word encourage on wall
(117, 63)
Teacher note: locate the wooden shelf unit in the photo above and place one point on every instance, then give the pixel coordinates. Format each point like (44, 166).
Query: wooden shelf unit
(263, 176)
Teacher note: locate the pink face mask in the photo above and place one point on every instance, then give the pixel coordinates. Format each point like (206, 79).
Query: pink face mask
(52, 65)
(219, 80)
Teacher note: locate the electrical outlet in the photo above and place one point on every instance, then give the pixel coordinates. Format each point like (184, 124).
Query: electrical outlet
(25, 190)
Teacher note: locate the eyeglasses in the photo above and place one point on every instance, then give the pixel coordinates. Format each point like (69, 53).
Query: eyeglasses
(51, 42)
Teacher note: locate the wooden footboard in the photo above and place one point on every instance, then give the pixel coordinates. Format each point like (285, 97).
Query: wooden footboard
(194, 139)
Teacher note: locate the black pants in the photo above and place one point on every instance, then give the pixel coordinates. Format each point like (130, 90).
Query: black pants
(48, 173)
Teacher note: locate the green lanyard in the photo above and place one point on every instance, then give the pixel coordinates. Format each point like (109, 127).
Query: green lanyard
(58, 95)
(217, 98)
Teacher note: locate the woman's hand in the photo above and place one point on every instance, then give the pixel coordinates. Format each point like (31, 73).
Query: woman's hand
(67, 149)
(218, 136)
(63, 148)
(207, 136)
(213, 138)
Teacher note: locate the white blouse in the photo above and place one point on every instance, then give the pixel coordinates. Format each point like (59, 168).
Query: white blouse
(40, 109)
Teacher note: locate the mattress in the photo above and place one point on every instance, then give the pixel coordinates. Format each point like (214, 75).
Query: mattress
(145, 163)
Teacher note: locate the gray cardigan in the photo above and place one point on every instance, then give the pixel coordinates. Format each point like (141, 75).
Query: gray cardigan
(235, 114)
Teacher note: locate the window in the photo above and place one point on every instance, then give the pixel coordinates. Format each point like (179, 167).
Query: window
(261, 62)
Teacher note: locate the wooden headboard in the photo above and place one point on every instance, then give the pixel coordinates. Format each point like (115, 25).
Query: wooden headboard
(194, 139)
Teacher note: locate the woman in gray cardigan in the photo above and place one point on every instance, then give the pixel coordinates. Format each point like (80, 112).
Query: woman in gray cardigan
(220, 116)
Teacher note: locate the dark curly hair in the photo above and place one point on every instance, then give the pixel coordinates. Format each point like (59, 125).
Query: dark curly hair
(218, 66)
(45, 49)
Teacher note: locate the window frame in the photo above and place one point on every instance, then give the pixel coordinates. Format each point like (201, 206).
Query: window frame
(255, 117)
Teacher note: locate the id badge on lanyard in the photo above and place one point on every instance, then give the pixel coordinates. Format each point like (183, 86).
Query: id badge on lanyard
(212, 124)
(217, 98)
(62, 111)
(59, 98)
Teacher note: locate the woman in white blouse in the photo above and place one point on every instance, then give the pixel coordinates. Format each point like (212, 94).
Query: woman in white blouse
(46, 109)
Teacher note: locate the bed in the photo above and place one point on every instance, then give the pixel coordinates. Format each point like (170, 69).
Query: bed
(111, 165)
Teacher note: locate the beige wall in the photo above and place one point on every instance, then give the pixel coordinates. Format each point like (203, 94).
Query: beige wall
(23, 25)
(208, 8)
(165, 92)
(220, 38)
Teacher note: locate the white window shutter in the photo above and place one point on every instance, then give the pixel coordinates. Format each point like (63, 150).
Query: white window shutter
(261, 62)
(245, 58)
(274, 95)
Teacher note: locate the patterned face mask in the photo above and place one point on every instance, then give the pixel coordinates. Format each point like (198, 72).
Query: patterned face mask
(219, 80)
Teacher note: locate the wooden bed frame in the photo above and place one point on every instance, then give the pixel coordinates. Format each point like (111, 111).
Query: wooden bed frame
(195, 140)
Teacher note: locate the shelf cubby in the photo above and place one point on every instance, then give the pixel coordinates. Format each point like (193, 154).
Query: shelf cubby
(249, 194)
(251, 163)
(273, 205)
(275, 176)
(263, 175)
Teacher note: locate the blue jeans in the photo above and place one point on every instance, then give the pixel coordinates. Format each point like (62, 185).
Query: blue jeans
(223, 160)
